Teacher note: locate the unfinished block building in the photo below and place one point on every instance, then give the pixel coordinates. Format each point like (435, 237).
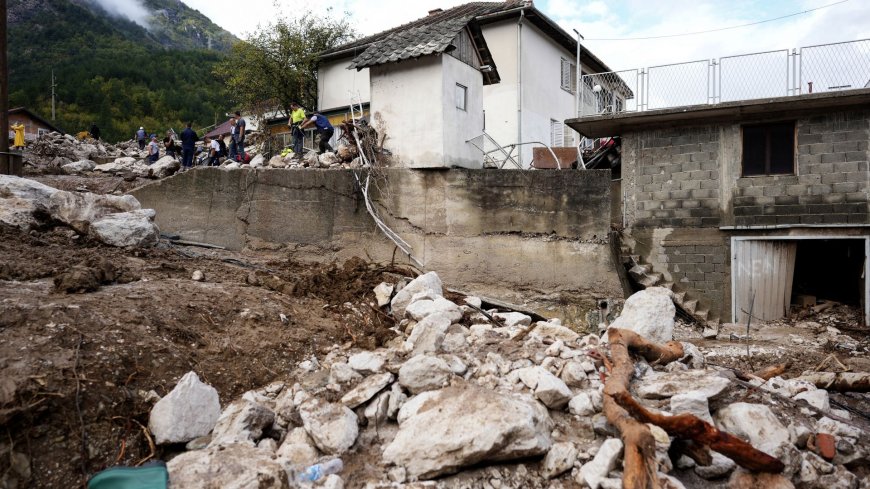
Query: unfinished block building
(744, 207)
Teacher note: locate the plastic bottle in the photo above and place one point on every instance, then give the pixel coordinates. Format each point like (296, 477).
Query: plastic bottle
(318, 471)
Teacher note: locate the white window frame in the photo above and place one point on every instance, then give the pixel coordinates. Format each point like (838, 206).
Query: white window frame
(461, 91)
(568, 75)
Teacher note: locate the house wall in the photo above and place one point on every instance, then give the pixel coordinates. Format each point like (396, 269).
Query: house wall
(500, 99)
(543, 96)
(415, 102)
(461, 125)
(336, 83)
(408, 99)
(682, 184)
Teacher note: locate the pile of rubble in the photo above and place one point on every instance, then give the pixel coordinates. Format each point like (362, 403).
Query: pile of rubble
(114, 220)
(344, 157)
(476, 398)
(55, 149)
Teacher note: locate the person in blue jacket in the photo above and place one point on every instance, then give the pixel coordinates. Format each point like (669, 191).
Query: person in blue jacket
(188, 146)
(324, 128)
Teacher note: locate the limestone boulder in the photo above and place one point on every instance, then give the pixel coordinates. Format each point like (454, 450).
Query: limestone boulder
(428, 335)
(332, 427)
(557, 331)
(23, 202)
(559, 459)
(754, 423)
(231, 467)
(257, 161)
(467, 425)
(127, 229)
(79, 209)
(419, 310)
(164, 167)
(189, 411)
(694, 403)
(662, 385)
(548, 388)
(513, 319)
(242, 422)
(328, 159)
(311, 159)
(80, 166)
(277, 162)
(424, 373)
(366, 362)
(649, 313)
(297, 449)
(367, 389)
(428, 282)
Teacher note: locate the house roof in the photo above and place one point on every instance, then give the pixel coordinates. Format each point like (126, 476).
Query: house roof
(25, 110)
(416, 36)
(222, 130)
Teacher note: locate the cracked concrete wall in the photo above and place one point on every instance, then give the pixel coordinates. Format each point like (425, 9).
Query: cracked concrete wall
(498, 232)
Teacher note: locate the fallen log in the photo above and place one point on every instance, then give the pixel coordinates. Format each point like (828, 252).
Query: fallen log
(639, 466)
(768, 373)
(628, 416)
(841, 382)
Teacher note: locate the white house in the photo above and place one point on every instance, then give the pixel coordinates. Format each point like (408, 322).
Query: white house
(535, 62)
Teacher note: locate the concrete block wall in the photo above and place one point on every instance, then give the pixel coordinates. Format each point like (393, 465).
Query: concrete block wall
(674, 176)
(831, 183)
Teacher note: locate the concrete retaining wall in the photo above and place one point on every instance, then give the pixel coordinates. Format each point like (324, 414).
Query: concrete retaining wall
(497, 232)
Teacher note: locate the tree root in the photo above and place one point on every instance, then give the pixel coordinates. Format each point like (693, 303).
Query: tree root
(623, 412)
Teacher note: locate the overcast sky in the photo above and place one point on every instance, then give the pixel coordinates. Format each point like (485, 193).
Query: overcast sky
(612, 19)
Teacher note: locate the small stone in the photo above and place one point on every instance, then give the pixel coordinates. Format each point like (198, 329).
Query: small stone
(694, 403)
(574, 375)
(559, 459)
(826, 445)
(817, 399)
(198, 276)
(189, 411)
(333, 427)
(367, 389)
(342, 373)
(333, 481)
(383, 292)
(581, 405)
(242, 422)
(512, 319)
(720, 467)
(709, 333)
(594, 471)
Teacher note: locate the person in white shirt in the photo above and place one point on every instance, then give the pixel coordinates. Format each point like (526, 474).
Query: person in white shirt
(214, 151)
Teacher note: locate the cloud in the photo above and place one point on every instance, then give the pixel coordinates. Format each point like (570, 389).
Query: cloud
(133, 10)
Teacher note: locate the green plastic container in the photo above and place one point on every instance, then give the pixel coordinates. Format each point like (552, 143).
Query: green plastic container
(151, 477)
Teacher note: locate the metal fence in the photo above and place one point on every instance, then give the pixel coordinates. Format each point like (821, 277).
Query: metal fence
(810, 69)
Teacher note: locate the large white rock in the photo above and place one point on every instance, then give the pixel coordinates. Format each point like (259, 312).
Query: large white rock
(366, 362)
(465, 425)
(581, 405)
(23, 201)
(383, 292)
(513, 319)
(662, 385)
(428, 282)
(342, 373)
(189, 411)
(428, 334)
(556, 331)
(649, 313)
(559, 459)
(418, 310)
(79, 209)
(754, 423)
(367, 389)
(257, 161)
(574, 374)
(424, 373)
(135, 229)
(232, 467)
(817, 399)
(333, 427)
(242, 422)
(547, 387)
(80, 166)
(719, 467)
(594, 471)
(297, 449)
(692, 402)
(164, 167)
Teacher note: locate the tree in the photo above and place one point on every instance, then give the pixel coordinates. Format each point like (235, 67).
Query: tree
(277, 64)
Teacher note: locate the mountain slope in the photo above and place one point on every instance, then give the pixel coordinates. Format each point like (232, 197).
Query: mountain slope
(112, 71)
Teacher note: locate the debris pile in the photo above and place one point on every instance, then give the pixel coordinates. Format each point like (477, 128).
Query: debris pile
(55, 149)
(114, 220)
(344, 157)
(490, 398)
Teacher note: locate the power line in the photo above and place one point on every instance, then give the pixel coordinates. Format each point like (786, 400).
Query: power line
(717, 30)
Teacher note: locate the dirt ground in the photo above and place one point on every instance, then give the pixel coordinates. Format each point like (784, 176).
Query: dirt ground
(76, 369)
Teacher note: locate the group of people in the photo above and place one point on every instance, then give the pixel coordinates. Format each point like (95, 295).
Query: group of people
(299, 122)
(215, 148)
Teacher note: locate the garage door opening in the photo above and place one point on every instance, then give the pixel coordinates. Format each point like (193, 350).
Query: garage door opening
(830, 269)
(771, 274)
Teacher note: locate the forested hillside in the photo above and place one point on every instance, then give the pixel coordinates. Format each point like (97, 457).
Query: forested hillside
(112, 71)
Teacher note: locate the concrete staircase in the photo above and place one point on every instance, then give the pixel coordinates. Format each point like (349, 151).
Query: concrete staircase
(645, 275)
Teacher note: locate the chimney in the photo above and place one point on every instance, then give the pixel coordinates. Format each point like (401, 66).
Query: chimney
(435, 11)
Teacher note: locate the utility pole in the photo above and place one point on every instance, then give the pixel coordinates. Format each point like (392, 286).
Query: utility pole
(5, 159)
(53, 94)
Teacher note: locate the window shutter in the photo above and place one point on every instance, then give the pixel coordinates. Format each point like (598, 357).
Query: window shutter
(566, 74)
(556, 133)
